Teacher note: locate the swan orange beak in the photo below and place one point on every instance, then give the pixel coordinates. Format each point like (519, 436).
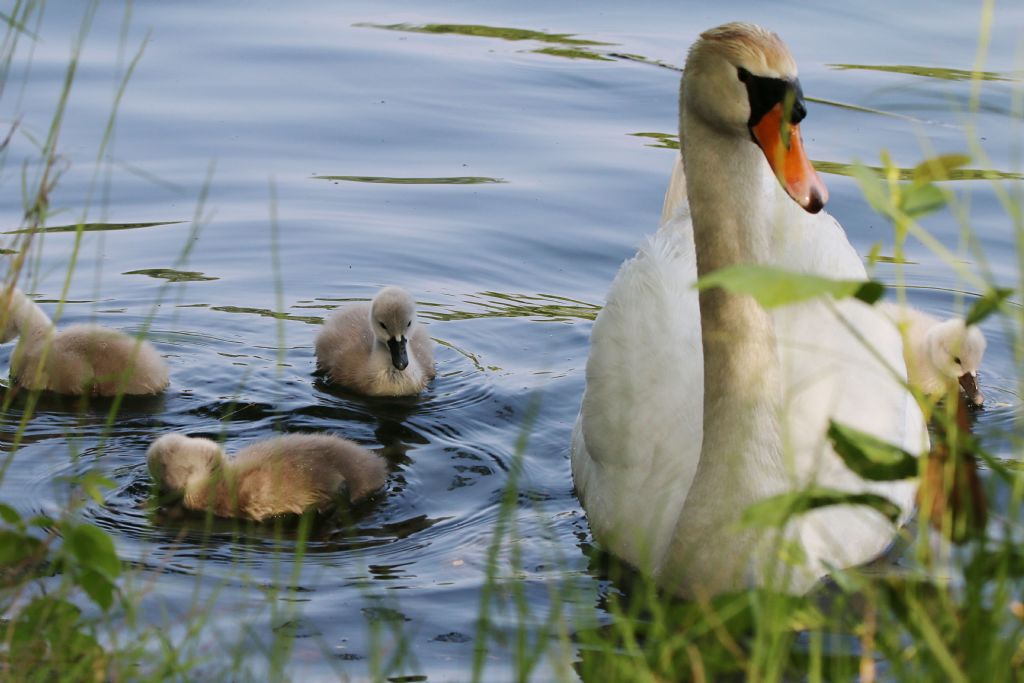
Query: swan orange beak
(780, 141)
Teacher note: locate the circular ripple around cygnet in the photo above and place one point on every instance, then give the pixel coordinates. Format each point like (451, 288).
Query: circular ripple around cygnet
(164, 534)
(460, 381)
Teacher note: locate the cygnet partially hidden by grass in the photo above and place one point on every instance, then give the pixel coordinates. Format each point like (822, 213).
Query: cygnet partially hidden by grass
(939, 353)
(377, 348)
(289, 474)
(79, 359)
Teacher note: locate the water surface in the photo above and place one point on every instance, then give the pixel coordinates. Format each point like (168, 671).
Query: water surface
(500, 163)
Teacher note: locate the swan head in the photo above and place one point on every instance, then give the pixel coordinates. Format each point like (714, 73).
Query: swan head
(392, 316)
(955, 351)
(177, 462)
(741, 80)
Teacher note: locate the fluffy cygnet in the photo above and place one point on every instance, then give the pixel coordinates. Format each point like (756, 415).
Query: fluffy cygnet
(80, 359)
(938, 353)
(286, 475)
(377, 348)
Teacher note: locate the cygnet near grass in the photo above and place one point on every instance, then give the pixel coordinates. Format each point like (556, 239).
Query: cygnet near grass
(939, 353)
(80, 359)
(377, 348)
(289, 474)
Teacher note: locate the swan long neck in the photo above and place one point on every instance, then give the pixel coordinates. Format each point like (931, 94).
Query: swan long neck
(24, 315)
(728, 184)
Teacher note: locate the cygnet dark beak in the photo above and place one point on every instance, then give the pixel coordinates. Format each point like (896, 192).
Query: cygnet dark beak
(399, 358)
(969, 384)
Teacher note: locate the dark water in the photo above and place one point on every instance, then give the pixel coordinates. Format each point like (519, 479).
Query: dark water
(259, 102)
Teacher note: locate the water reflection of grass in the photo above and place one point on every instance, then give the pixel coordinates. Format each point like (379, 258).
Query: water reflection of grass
(564, 45)
(89, 227)
(172, 275)
(670, 141)
(468, 355)
(943, 73)
(818, 100)
(482, 31)
(546, 307)
(661, 140)
(571, 53)
(393, 180)
(267, 313)
(590, 49)
(838, 168)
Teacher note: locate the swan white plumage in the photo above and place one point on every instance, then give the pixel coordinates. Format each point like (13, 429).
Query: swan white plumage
(79, 359)
(696, 406)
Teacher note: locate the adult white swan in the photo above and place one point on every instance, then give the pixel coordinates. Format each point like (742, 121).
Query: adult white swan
(697, 407)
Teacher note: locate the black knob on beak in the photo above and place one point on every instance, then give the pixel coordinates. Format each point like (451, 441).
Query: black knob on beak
(399, 358)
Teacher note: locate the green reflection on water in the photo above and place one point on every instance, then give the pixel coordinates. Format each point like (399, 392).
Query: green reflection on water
(469, 355)
(266, 313)
(669, 141)
(172, 275)
(392, 180)
(837, 168)
(862, 109)
(481, 31)
(816, 100)
(663, 140)
(548, 307)
(926, 71)
(645, 60)
(91, 227)
(894, 259)
(572, 53)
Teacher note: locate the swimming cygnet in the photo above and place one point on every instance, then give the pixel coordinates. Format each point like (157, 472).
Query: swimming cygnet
(938, 353)
(289, 474)
(80, 359)
(377, 348)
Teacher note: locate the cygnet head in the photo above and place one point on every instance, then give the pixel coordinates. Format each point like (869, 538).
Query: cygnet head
(741, 80)
(9, 329)
(176, 460)
(955, 351)
(392, 316)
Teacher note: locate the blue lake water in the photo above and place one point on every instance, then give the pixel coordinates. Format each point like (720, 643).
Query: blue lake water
(257, 102)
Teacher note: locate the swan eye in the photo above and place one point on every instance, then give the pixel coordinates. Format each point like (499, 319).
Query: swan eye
(742, 74)
(957, 360)
(382, 326)
(408, 325)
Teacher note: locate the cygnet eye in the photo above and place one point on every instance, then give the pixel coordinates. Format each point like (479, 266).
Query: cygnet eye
(382, 326)
(956, 360)
(408, 325)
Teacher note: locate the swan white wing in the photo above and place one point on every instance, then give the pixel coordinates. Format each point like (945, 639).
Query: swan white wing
(854, 348)
(842, 361)
(638, 437)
